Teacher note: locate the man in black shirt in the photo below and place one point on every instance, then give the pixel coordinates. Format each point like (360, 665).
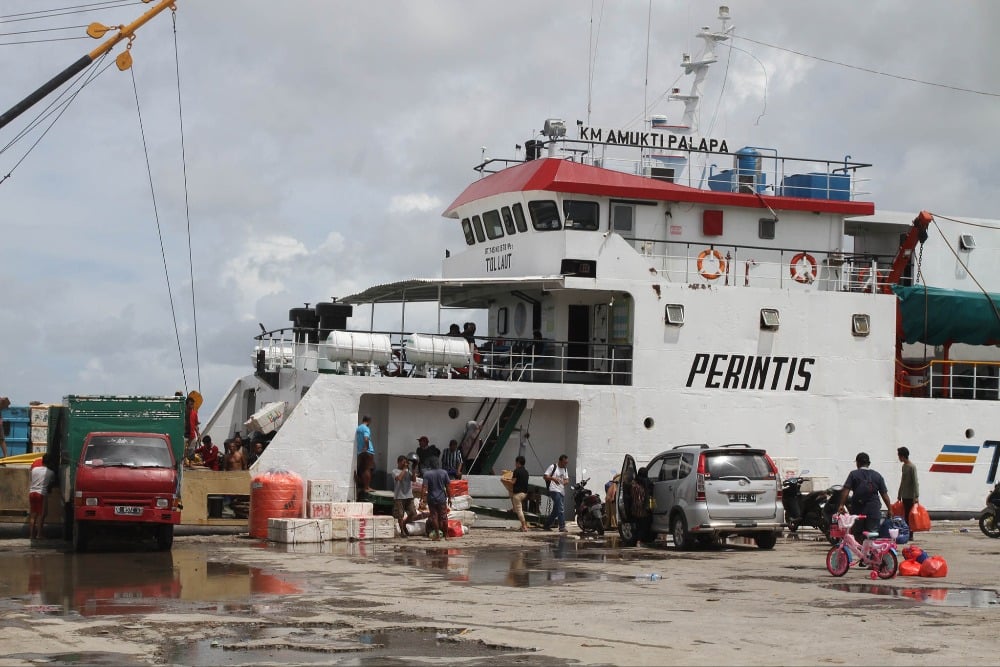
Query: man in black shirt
(424, 452)
(519, 491)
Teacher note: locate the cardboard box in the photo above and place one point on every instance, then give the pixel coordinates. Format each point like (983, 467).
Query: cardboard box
(320, 490)
(299, 531)
(351, 509)
(39, 415)
(39, 434)
(319, 510)
(39, 449)
(370, 527)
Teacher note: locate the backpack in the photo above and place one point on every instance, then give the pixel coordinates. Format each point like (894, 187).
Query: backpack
(866, 489)
(899, 524)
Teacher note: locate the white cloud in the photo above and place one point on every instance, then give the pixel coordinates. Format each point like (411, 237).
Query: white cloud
(415, 203)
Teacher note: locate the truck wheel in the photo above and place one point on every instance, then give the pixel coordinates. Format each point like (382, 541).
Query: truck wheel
(165, 537)
(80, 536)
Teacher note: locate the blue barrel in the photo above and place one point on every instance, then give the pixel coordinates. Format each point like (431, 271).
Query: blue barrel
(747, 161)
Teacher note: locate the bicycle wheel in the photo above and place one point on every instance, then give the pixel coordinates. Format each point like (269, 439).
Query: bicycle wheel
(888, 566)
(837, 561)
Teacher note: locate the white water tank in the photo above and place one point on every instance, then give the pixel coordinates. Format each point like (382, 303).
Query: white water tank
(437, 350)
(358, 347)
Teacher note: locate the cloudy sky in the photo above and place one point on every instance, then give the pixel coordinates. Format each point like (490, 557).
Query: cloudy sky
(325, 138)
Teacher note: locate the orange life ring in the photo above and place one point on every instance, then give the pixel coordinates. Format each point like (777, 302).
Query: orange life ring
(795, 267)
(711, 275)
(863, 280)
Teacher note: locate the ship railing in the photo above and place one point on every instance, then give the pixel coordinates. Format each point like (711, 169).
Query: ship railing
(961, 379)
(498, 359)
(749, 170)
(756, 266)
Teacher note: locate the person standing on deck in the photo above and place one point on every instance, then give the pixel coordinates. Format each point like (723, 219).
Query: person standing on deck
(366, 455)
(557, 477)
(909, 486)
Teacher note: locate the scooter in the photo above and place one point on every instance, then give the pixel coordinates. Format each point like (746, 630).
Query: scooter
(990, 515)
(589, 508)
(811, 509)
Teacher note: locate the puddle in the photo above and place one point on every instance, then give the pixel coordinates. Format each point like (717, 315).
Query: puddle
(516, 567)
(101, 584)
(944, 597)
(289, 645)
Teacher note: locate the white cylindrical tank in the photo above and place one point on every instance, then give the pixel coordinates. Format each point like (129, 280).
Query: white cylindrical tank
(358, 347)
(437, 350)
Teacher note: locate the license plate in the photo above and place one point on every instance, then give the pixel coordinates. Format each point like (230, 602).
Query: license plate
(743, 497)
(129, 510)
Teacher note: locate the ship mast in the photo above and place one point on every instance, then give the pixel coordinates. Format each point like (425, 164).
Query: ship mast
(689, 123)
(95, 30)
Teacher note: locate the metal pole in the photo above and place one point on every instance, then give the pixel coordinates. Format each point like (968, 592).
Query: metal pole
(94, 30)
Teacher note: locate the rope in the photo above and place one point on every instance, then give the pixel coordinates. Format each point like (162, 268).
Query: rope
(159, 231)
(91, 73)
(187, 207)
(993, 305)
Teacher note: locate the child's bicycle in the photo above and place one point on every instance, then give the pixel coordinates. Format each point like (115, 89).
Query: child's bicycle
(875, 553)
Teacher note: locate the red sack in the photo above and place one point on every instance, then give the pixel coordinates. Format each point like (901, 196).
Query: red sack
(919, 519)
(914, 553)
(896, 509)
(459, 487)
(454, 528)
(909, 568)
(935, 566)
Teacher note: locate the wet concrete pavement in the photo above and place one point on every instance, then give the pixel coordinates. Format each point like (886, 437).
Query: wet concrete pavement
(493, 597)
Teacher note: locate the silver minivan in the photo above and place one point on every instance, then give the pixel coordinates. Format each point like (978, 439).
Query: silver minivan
(698, 493)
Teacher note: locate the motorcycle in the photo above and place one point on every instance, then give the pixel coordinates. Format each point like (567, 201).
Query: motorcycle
(991, 514)
(589, 508)
(813, 509)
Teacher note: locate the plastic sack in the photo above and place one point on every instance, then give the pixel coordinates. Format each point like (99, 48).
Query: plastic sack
(455, 529)
(909, 568)
(896, 509)
(461, 502)
(919, 519)
(915, 553)
(935, 566)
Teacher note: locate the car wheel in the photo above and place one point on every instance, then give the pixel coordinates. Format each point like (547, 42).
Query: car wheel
(766, 540)
(683, 540)
(629, 533)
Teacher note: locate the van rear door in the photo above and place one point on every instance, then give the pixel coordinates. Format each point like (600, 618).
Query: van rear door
(740, 484)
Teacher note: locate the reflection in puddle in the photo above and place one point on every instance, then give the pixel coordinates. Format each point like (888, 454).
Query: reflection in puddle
(285, 645)
(100, 584)
(945, 597)
(516, 567)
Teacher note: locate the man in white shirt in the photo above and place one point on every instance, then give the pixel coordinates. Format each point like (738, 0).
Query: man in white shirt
(557, 477)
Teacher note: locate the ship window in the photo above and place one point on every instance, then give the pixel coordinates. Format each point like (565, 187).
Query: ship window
(544, 215)
(769, 318)
(477, 225)
(582, 214)
(508, 220)
(674, 314)
(491, 219)
(860, 324)
(470, 238)
(967, 242)
(622, 218)
(765, 228)
(502, 321)
(522, 224)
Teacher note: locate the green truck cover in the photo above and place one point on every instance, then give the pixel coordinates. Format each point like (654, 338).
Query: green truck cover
(936, 316)
(70, 423)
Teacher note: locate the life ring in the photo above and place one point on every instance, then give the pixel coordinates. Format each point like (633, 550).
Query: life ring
(705, 273)
(795, 267)
(870, 286)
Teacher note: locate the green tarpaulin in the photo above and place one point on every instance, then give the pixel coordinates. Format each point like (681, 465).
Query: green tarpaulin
(937, 316)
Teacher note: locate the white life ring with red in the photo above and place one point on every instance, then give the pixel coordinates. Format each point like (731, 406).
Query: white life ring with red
(795, 267)
(705, 273)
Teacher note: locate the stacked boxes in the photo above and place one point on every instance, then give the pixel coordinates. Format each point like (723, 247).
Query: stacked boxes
(328, 520)
(39, 428)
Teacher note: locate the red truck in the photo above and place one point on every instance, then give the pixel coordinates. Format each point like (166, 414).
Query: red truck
(119, 465)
